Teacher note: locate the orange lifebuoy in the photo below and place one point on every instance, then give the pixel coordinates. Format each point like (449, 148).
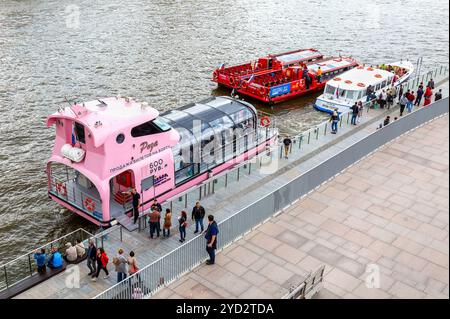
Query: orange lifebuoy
(265, 121)
(231, 80)
(61, 188)
(378, 76)
(369, 69)
(89, 204)
(348, 82)
(361, 84)
(288, 73)
(244, 84)
(337, 79)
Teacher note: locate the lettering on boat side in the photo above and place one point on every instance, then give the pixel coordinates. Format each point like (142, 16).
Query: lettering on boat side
(134, 161)
(145, 146)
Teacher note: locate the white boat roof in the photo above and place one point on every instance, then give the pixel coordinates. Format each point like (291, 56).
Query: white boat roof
(331, 64)
(365, 75)
(297, 56)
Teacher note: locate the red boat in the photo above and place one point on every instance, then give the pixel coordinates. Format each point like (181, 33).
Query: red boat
(231, 76)
(288, 81)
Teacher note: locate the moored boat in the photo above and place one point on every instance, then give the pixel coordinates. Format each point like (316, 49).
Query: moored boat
(363, 83)
(104, 148)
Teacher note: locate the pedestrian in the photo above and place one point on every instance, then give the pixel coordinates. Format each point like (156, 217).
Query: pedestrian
(198, 214)
(136, 202)
(369, 93)
(182, 220)
(211, 239)
(428, 94)
(71, 253)
(355, 110)
(155, 217)
(102, 264)
(132, 262)
(121, 265)
(393, 93)
(382, 99)
(91, 257)
(360, 111)
(40, 256)
(438, 95)
(287, 146)
(55, 260)
(81, 251)
(319, 74)
(400, 93)
(431, 84)
(419, 95)
(411, 98)
(389, 100)
(334, 119)
(167, 223)
(386, 120)
(158, 207)
(403, 102)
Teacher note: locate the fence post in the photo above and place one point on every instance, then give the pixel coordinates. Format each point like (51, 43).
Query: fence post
(6, 276)
(309, 136)
(238, 173)
(200, 193)
(300, 141)
(121, 234)
(249, 168)
(325, 130)
(29, 264)
(317, 132)
(185, 200)
(348, 116)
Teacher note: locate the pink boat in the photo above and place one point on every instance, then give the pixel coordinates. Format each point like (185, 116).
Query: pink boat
(103, 148)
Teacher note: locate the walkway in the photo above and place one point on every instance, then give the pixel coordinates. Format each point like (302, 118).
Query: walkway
(390, 210)
(224, 202)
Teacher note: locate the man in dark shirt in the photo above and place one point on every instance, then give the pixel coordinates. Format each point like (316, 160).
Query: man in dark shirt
(355, 111)
(198, 214)
(211, 239)
(157, 206)
(136, 203)
(438, 95)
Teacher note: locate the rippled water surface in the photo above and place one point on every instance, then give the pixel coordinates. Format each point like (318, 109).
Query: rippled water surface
(164, 52)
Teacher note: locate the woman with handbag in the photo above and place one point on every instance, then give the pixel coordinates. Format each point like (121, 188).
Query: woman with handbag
(182, 220)
(133, 266)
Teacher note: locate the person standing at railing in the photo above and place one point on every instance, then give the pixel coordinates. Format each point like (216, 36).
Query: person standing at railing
(430, 84)
(438, 95)
(198, 214)
(121, 265)
(419, 95)
(287, 142)
(428, 94)
(40, 260)
(91, 256)
(155, 217)
(102, 264)
(167, 223)
(211, 239)
(355, 111)
(403, 102)
(182, 220)
(334, 119)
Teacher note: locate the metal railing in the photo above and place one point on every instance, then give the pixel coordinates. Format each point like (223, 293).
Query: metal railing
(24, 266)
(186, 257)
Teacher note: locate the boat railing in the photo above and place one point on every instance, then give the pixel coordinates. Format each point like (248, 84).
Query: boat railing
(24, 266)
(66, 190)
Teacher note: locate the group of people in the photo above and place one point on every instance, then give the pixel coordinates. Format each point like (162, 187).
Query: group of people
(55, 259)
(408, 99)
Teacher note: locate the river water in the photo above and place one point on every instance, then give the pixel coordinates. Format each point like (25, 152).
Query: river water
(164, 52)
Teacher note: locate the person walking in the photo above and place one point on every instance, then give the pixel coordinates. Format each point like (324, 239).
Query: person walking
(355, 110)
(167, 223)
(334, 119)
(400, 93)
(438, 95)
(403, 102)
(155, 217)
(411, 98)
(419, 95)
(132, 262)
(120, 262)
(91, 257)
(287, 146)
(136, 202)
(102, 264)
(182, 220)
(211, 239)
(389, 99)
(428, 94)
(40, 256)
(198, 214)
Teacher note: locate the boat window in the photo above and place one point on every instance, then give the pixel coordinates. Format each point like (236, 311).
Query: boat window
(383, 84)
(162, 124)
(352, 95)
(147, 128)
(330, 89)
(378, 87)
(360, 95)
(342, 92)
(79, 133)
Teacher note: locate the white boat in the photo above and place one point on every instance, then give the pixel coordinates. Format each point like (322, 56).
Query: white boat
(350, 87)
